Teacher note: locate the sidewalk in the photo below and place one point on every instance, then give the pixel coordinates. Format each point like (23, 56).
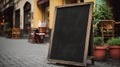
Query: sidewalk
(21, 53)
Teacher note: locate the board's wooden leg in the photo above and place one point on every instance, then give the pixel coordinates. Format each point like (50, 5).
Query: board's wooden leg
(93, 61)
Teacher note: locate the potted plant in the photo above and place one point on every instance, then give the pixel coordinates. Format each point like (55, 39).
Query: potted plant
(114, 47)
(7, 29)
(100, 48)
(102, 16)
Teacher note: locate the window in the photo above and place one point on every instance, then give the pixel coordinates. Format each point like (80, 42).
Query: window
(17, 18)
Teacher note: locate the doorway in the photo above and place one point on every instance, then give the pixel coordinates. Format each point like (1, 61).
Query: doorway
(115, 9)
(17, 18)
(27, 17)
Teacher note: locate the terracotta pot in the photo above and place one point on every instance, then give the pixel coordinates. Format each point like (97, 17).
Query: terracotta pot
(114, 51)
(100, 52)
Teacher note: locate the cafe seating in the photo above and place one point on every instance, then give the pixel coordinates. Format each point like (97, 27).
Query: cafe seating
(37, 35)
(16, 33)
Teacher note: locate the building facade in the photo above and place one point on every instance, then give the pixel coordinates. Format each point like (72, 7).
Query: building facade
(23, 10)
(26, 14)
(54, 3)
(6, 14)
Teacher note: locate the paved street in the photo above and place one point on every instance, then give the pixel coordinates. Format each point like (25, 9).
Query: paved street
(21, 53)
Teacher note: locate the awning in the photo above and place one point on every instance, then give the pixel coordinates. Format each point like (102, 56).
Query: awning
(40, 2)
(8, 11)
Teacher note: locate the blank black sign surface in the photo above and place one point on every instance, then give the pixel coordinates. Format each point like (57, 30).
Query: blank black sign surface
(68, 40)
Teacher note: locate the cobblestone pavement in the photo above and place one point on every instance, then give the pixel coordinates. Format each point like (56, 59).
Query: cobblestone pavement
(21, 53)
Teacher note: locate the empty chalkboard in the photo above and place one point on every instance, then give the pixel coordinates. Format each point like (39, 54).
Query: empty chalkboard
(71, 34)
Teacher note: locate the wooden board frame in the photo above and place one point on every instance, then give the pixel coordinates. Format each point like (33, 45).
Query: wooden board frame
(87, 36)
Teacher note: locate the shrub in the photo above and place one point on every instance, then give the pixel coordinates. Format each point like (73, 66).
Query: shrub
(98, 41)
(114, 41)
(102, 12)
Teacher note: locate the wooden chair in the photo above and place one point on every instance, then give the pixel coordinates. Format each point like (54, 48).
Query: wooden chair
(42, 33)
(13, 32)
(107, 29)
(16, 33)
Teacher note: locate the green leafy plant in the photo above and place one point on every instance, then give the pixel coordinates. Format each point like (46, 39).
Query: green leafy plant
(7, 29)
(102, 12)
(98, 41)
(114, 41)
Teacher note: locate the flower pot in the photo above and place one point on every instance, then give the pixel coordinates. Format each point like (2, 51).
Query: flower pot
(100, 52)
(114, 51)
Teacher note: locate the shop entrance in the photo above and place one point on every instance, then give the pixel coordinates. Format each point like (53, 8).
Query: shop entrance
(27, 17)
